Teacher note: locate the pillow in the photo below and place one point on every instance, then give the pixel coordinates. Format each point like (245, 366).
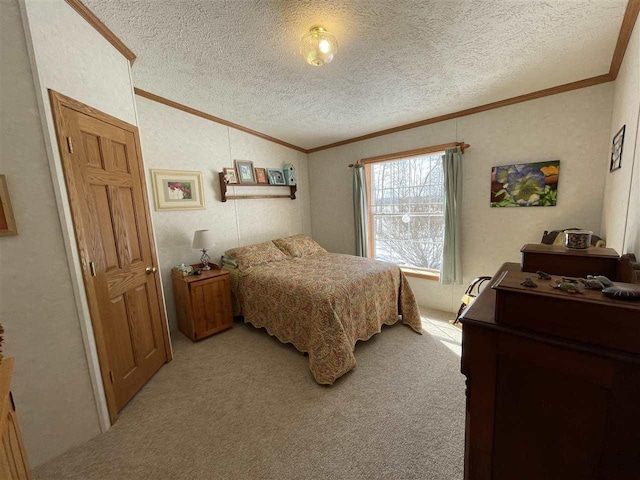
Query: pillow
(227, 261)
(253, 255)
(299, 246)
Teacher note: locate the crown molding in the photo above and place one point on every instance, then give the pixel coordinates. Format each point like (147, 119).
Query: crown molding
(102, 29)
(201, 114)
(567, 87)
(626, 29)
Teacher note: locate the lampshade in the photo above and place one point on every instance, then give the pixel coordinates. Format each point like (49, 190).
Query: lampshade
(318, 46)
(203, 239)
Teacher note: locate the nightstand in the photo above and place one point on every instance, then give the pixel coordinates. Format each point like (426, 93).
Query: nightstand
(203, 302)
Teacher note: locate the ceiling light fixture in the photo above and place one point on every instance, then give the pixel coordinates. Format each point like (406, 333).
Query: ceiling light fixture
(318, 46)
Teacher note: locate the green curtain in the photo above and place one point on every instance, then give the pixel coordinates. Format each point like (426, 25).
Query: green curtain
(360, 210)
(451, 271)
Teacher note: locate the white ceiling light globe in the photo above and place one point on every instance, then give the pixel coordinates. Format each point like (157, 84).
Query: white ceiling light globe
(318, 47)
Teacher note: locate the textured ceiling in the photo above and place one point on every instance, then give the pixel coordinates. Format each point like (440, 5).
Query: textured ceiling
(398, 61)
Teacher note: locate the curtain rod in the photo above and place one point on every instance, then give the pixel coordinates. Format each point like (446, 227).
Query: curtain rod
(412, 153)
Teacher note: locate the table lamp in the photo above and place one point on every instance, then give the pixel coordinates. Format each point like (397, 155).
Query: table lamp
(202, 240)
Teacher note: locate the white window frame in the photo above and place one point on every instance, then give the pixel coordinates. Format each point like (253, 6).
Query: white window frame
(429, 274)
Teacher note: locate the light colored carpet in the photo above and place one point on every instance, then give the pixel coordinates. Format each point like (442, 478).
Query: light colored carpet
(241, 405)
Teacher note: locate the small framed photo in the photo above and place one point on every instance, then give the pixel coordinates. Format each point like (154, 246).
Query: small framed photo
(7, 221)
(230, 175)
(177, 190)
(616, 150)
(276, 176)
(246, 174)
(261, 176)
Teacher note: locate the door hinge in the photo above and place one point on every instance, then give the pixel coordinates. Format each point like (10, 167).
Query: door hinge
(92, 269)
(70, 144)
(111, 375)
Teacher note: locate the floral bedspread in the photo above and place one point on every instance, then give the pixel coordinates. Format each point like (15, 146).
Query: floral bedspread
(323, 304)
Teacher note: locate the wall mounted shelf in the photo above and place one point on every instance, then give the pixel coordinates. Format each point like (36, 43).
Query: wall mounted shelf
(224, 197)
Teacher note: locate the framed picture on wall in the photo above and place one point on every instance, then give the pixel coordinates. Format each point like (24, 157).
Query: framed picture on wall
(261, 176)
(525, 184)
(246, 174)
(7, 220)
(616, 150)
(177, 190)
(276, 176)
(230, 175)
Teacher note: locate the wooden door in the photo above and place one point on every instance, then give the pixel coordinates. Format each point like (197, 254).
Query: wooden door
(13, 457)
(105, 183)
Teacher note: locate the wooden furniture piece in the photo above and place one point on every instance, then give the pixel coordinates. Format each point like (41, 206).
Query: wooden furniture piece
(13, 458)
(560, 260)
(225, 197)
(7, 219)
(550, 399)
(628, 269)
(203, 302)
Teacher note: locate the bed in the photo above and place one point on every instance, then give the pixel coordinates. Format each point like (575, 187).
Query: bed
(320, 302)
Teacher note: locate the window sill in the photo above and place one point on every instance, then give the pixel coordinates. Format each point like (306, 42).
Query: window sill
(425, 274)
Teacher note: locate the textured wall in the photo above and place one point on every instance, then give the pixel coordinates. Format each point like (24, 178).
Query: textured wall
(51, 384)
(60, 400)
(172, 139)
(626, 111)
(572, 127)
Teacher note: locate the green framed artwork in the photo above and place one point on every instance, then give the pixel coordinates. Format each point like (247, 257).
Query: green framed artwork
(525, 184)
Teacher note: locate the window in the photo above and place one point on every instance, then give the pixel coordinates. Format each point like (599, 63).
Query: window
(406, 220)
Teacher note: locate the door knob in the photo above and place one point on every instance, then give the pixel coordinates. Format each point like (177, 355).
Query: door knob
(150, 270)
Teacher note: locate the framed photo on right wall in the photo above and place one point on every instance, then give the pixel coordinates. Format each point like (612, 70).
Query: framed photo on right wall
(616, 150)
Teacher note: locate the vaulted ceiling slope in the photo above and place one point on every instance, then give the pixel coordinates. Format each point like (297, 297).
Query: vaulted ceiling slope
(398, 61)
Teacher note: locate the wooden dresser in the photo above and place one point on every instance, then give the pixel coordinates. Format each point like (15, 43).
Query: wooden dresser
(13, 458)
(203, 302)
(550, 400)
(560, 260)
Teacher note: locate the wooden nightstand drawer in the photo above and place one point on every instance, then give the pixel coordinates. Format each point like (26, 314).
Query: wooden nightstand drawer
(203, 302)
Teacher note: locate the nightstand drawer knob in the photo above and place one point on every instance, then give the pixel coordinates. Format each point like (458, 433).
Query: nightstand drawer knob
(150, 270)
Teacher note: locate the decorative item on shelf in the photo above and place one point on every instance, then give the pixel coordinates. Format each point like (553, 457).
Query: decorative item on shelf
(529, 283)
(230, 176)
(543, 275)
(177, 190)
(318, 46)
(616, 150)
(261, 176)
(622, 292)
(185, 270)
(276, 176)
(246, 174)
(290, 174)
(202, 240)
(569, 287)
(224, 197)
(7, 221)
(577, 239)
(525, 185)
(591, 283)
(602, 279)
